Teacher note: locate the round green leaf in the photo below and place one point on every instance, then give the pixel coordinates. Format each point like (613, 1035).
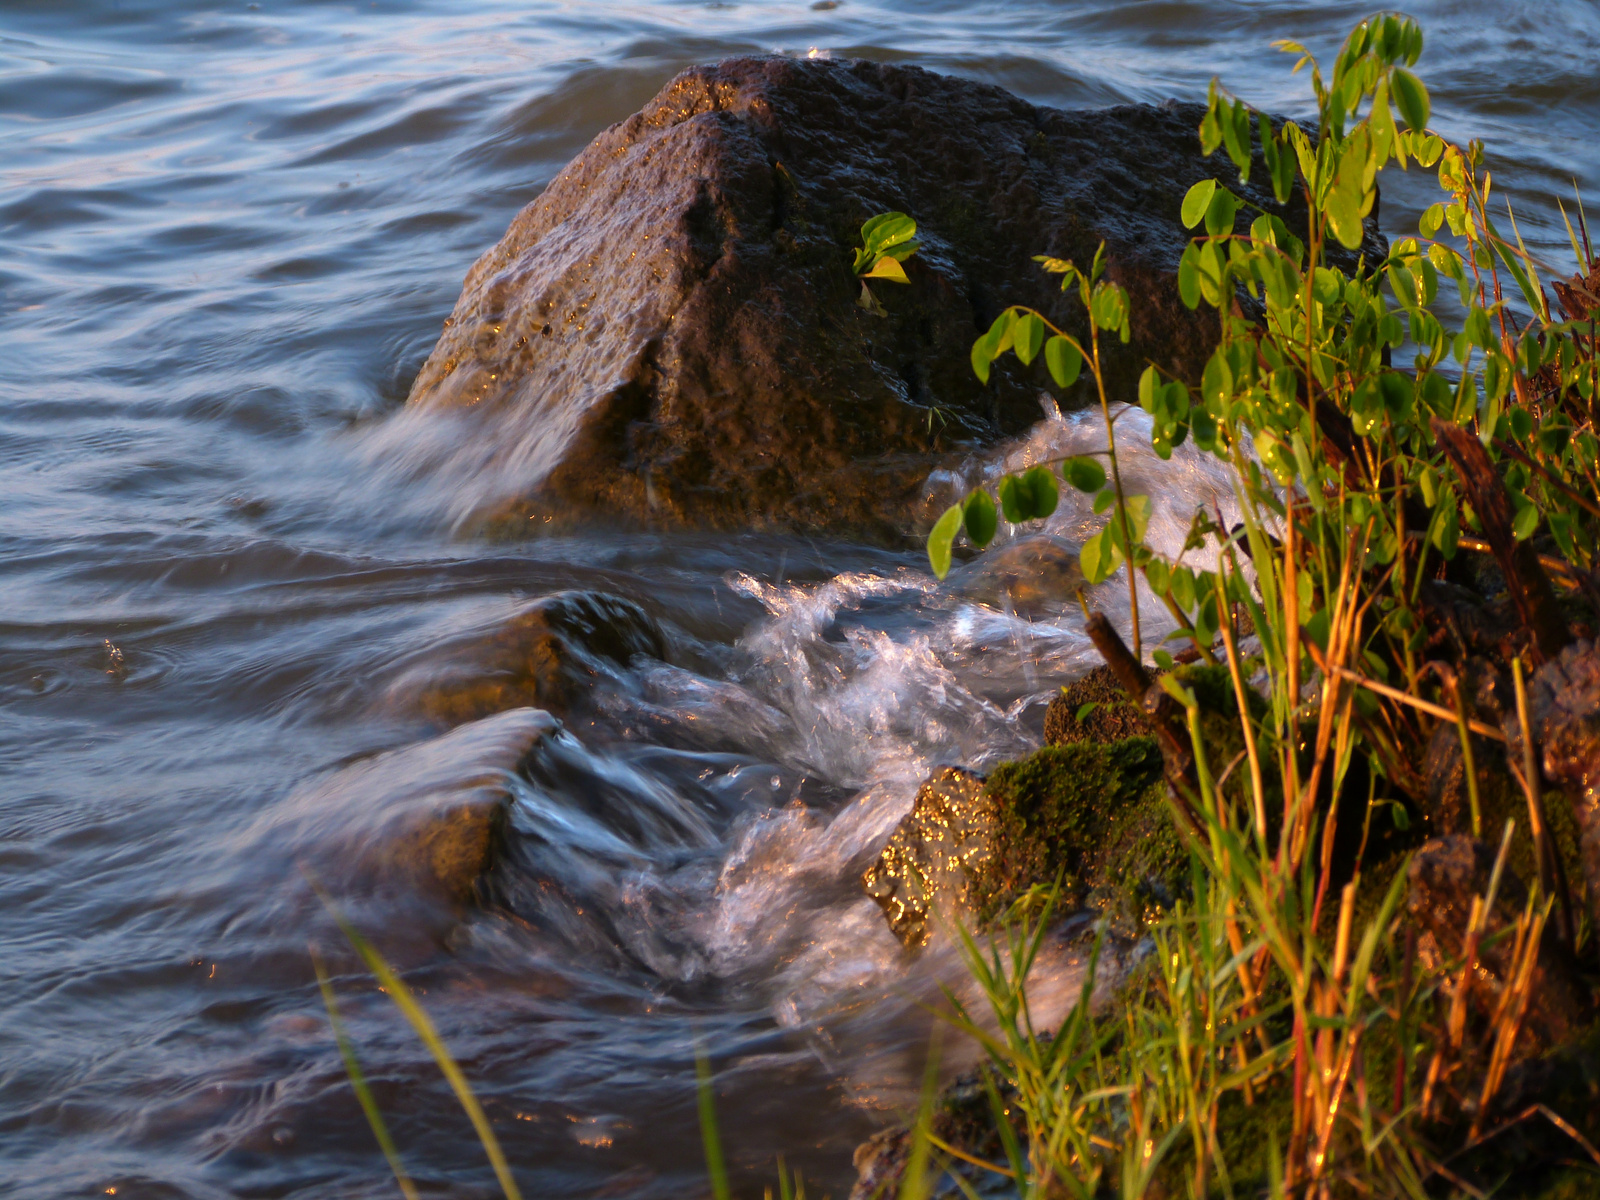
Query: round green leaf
(981, 358)
(1139, 509)
(1027, 337)
(1398, 394)
(1159, 575)
(1041, 484)
(1220, 213)
(1063, 360)
(940, 539)
(887, 268)
(980, 518)
(1016, 500)
(1412, 98)
(1177, 401)
(1432, 218)
(1525, 522)
(1149, 386)
(1344, 215)
(887, 229)
(1196, 201)
(1099, 557)
(1189, 276)
(1085, 473)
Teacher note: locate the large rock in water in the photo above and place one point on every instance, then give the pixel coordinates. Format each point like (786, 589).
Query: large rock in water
(670, 331)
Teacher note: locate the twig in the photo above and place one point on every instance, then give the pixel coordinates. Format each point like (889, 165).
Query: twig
(1570, 575)
(1437, 710)
(1525, 578)
(1532, 1110)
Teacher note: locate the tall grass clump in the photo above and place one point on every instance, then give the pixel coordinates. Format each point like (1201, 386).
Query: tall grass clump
(1371, 442)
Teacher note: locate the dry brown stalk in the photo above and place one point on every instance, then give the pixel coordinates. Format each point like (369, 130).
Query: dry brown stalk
(1477, 922)
(1552, 872)
(1427, 706)
(1513, 1006)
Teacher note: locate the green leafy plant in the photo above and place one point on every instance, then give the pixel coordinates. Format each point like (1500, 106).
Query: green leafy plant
(887, 240)
(1359, 476)
(1032, 495)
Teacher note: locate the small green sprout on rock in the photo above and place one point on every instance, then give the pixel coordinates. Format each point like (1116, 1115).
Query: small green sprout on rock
(887, 240)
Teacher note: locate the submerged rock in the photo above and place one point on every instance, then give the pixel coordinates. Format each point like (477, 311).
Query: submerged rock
(547, 656)
(426, 820)
(1029, 575)
(671, 330)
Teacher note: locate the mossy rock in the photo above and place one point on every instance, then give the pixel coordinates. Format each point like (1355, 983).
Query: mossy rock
(1094, 814)
(1112, 717)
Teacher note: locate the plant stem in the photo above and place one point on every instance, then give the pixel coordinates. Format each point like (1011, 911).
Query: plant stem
(1116, 482)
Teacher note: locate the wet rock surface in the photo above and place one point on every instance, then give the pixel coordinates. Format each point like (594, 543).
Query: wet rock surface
(670, 332)
(547, 656)
(936, 857)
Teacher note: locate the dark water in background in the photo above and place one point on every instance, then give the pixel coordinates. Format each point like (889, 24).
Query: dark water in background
(228, 234)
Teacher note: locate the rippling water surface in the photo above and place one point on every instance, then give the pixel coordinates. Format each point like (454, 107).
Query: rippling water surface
(228, 234)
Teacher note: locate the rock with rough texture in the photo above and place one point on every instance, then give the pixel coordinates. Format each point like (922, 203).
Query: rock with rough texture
(671, 333)
(1093, 815)
(1443, 878)
(1446, 805)
(962, 1118)
(547, 656)
(935, 856)
(1564, 718)
(1112, 717)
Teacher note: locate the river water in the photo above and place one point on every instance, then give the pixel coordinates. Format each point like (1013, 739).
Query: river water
(228, 235)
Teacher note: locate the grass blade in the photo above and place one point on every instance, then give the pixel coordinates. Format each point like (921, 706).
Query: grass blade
(358, 1081)
(423, 1024)
(716, 1165)
(914, 1182)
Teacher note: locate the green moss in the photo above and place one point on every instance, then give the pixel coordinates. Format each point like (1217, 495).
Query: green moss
(1110, 719)
(1096, 814)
